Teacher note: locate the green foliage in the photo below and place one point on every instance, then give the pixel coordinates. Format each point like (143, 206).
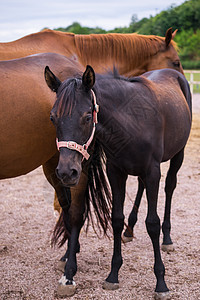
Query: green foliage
(191, 65)
(189, 45)
(189, 15)
(120, 30)
(185, 18)
(136, 27)
(78, 29)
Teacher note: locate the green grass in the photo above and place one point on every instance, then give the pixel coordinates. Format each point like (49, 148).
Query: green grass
(196, 77)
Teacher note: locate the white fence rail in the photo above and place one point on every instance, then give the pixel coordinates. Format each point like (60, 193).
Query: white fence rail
(191, 81)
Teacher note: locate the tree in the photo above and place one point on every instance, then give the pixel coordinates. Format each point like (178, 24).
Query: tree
(135, 27)
(189, 15)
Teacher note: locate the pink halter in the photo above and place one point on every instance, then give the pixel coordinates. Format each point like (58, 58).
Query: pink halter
(82, 148)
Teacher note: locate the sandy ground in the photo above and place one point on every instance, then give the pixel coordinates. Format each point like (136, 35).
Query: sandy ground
(27, 263)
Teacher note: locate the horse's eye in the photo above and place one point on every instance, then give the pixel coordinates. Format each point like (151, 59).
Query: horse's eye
(52, 118)
(88, 118)
(176, 63)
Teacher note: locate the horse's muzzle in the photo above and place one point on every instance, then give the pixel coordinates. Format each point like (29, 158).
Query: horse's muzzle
(68, 176)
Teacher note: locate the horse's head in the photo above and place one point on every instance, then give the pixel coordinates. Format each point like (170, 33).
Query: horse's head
(74, 117)
(168, 58)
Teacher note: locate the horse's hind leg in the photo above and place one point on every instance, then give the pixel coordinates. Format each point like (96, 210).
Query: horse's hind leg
(170, 185)
(132, 219)
(153, 227)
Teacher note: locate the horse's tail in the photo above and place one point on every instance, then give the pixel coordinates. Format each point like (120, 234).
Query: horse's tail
(184, 85)
(98, 191)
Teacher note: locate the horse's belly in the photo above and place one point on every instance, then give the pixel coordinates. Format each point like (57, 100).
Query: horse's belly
(25, 150)
(20, 162)
(176, 139)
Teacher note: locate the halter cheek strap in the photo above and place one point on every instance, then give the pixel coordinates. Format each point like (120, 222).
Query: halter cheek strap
(82, 148)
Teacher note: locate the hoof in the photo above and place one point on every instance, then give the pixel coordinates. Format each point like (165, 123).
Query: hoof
(162, 296)
(110, 286)
(167, 248)
(126, 239)
(66, 289)
(61, 266)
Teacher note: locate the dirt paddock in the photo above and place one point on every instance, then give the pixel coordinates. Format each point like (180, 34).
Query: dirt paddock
(27, 263)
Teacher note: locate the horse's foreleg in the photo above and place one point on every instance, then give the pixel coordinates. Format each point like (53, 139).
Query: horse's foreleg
(67, 286)
(117, 181)
(132, 219)
(170, 185)
(153, 226)
(62, 262)
(64, 198)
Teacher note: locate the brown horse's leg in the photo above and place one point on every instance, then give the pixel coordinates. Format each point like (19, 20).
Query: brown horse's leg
(132, 219)
(63, 194)
(153, 226)
(170, 185)
(56, 204)
(49, 171)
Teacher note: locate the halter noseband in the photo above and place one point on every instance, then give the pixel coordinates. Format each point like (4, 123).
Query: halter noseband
(82, 148)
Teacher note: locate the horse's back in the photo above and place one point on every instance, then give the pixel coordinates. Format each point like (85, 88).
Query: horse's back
(39, 42)
(25, 76)
(37, 62)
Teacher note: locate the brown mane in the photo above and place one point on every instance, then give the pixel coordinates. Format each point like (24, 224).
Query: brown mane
(131, 49)
(132, 54)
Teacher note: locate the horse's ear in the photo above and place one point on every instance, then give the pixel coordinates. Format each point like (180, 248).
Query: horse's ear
(88, 78)
(52, 81)
(168, 36)
(174, 33)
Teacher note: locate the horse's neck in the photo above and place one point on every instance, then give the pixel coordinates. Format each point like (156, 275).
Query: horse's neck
(109, 105)
(128, 52)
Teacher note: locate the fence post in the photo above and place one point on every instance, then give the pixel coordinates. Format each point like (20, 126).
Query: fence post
(191, 82)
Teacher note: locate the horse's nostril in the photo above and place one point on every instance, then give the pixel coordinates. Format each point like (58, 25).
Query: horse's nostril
(67, 175)
(74, 173)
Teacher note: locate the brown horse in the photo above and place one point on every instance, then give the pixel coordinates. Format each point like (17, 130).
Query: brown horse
(142, 122)
(25, 107)
(132, 54)
(27, 137)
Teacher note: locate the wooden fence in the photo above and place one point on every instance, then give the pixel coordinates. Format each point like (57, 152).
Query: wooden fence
(191, 81)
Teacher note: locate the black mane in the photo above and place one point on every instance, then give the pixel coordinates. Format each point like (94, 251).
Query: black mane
(65, 100)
